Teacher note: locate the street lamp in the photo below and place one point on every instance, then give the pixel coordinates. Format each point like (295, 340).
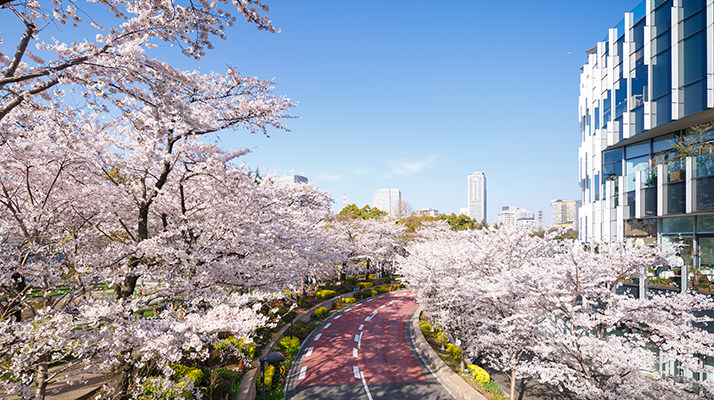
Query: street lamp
(272, 358)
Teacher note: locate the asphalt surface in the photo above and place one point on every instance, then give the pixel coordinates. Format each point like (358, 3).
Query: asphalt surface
(362, 352)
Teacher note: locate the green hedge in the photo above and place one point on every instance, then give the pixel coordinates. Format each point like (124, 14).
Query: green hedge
(320, 313)
(365, 285)
(325, 294)
(349, 300)
(454, 351)
(290, 344)
(479, 373)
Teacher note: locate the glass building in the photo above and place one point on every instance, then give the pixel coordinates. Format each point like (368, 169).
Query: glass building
(646, 112)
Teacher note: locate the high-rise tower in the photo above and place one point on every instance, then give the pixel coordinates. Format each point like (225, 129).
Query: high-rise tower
(476, 202)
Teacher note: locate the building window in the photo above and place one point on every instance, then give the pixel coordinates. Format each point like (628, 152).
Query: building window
(704, 182)
(675, 188)
(641, 227)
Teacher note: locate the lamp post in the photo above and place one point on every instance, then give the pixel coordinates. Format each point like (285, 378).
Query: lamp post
(272, 358)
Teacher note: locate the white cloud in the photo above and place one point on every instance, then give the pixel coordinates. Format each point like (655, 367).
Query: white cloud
(403, 167)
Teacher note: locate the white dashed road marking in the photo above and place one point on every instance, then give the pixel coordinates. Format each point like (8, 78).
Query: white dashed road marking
(309, 352)
(303, 371)
(355, 370)
(317, 336)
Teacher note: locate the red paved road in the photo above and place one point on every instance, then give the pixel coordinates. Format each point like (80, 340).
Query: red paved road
(362, 352)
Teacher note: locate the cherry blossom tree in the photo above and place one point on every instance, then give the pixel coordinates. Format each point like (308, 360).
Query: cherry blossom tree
(114, 187)
(541, 308)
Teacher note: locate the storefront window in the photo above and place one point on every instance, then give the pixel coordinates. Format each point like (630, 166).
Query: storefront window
(677, 225)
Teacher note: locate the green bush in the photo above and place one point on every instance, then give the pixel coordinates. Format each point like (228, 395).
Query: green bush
(479, 374)
(325, 294)
(439, 333)
(492, 387)
(320, 313)
(223, 383)
(426, 328)
(365, 285)
(363, 294)
(372, 276)
(290, 344)
(454, 351)
(269, 374)
(351, 280)
(349, 300)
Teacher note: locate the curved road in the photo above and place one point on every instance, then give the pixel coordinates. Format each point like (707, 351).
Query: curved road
(362, 352)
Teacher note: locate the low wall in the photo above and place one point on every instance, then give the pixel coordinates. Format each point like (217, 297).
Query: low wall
(454, 383)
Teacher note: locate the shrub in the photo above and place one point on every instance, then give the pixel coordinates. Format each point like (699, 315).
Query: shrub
(454, 351)
(372, 276)
(426, 328)
(383, 289)
(439, 333)
(351, 280)
(269, 374)
(479, 374)
(320, 313)
(325, 294)
(365, 285)
(373, 292)
(192, 373)
(290, 344)
(492, 387)
(363, 294)
(349, 300)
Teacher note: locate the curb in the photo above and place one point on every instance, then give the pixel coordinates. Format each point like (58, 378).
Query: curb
(449, 379)
(248, 391)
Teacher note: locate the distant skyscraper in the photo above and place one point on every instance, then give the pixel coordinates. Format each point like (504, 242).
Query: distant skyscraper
(284, 180)
(565, 213)
(476, 204)
(389, 200)
(515, 216)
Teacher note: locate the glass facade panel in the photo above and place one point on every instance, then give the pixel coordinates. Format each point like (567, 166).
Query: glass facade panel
(661, 74)
(663, 143)
(606, 104)
(675, 198)
(663, 106)
(695, 97)
(639, 119)
(620, 97)
(650, 196)
(637, 150)
(639, 87)
(638, 34)
(611, 171)
(705, 224)
(676, 171)
(704, 165)
(631, 204)
(639, 12)
(663, 16)
(676, 225)
(694, 64)
(694, 23)
(611, 156)
(641, 227)
(704, 189)
(704, 274)
(663, 42)
(692, 6)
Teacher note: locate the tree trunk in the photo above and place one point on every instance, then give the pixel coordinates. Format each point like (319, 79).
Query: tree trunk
(121, 379)
(41, 378)
(513, 384)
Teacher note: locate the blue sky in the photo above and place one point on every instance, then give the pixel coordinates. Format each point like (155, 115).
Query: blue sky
(416, 95)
